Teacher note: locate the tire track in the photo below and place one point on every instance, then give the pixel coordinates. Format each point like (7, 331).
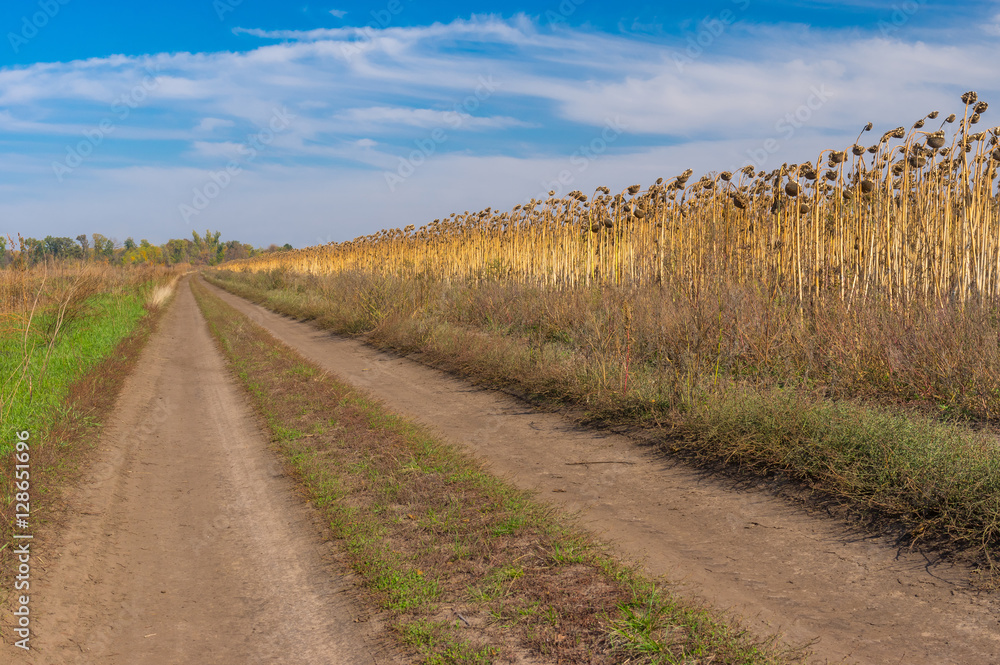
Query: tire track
(188, 544)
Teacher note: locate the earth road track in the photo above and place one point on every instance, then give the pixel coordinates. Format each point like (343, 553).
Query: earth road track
(185, 542)
(859, 599)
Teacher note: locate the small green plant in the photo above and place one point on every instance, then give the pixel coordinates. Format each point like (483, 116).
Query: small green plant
(569, 552)
(439, 643)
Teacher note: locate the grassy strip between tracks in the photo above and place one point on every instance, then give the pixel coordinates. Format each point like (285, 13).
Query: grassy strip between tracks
(463, 567)
(902, 470)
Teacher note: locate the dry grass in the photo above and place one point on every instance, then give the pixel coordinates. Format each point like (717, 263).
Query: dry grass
(161, 293)
(630, 348)
(734, 377)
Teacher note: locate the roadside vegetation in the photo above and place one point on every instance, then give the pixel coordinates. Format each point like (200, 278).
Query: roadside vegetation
(834, 322)
(462, 567)
(641, 359)
(69, 335)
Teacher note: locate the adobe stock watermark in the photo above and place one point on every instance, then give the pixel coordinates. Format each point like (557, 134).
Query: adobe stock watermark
(22, 539)
(584, 156)
(426, 147)
(248, 151)
(710, 29)
(223, 7)
(562, 12)
(369, 34)
(900, 16)
(787, 125)
(31, 26)
(121, 109)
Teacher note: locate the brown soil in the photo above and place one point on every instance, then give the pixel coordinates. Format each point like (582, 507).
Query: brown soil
(858, 598)
(185, 541)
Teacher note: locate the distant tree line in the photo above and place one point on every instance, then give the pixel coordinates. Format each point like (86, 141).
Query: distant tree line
(208, 249)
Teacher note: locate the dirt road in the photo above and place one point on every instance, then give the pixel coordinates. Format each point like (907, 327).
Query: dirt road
(186, 543)
(782, 569)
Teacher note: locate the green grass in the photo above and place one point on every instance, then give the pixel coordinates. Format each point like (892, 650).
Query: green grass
(939, 478)
(440, 643)
(434, 538)
(79, 346)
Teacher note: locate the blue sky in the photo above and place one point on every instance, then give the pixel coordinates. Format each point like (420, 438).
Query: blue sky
(311, 122)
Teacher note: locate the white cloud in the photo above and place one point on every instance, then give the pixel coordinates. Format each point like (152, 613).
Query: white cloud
(993, 26)
(339, 13)
(223, 149)
(486, 28)
(358, 113)
(211, 124)
(425, 119)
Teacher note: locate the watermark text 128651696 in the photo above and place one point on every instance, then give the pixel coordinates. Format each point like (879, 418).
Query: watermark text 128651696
(22, 540)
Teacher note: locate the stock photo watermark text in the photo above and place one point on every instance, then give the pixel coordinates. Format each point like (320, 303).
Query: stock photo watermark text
(22, 540)
(31, 26)
(203, 195)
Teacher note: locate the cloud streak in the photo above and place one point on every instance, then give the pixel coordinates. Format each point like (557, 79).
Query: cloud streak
(363, 105)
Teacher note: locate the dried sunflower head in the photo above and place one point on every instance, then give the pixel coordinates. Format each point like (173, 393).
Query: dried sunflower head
(936, 140)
